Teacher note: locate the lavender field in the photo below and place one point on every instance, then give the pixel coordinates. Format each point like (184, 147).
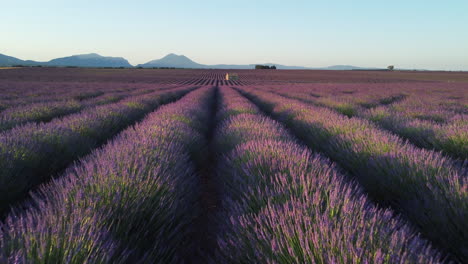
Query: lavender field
(184, 166)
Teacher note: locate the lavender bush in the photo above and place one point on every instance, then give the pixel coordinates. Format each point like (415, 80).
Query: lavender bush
(32, 153)
(132, 201)
(429, 189)
(421, 116)
(283, 204)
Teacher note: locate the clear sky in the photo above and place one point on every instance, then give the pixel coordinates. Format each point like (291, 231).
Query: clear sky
(408, 33)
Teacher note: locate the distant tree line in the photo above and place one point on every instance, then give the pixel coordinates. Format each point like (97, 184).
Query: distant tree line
(265, 67)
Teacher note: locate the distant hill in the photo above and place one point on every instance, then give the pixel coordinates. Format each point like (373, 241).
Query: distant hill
(346, 67)
(181, 61)
(10, 61)
(90, 60)
(252, 66)
(170, 60)
(83, 60)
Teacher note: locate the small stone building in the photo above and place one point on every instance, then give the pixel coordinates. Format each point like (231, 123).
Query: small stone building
(232, 77)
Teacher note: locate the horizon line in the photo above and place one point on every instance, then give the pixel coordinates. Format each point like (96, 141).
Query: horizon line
(218, 64)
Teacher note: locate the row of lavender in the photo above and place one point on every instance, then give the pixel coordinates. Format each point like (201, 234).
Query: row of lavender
(46, 111)
(133, 201)
(32, 153)
(295, 209)
(433, 96)
(422, 113)
(283, 204)
(23, 94)
(28, 91)
(426, 187)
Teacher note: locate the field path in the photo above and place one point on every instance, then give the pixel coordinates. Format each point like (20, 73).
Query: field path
(205, 224)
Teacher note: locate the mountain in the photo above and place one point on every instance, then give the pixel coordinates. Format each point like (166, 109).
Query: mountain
(346, 68)
(90, 60)
(181, 61)
(84, 60)
(252, 66)
(10, 61)
(173, 60)
(170, 60)
(282, 67)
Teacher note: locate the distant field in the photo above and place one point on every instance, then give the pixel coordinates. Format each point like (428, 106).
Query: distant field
(308, 76)
(279, 166)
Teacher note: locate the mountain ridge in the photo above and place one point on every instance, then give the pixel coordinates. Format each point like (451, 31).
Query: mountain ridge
(80, 60)
(172, 60)
(169, 61)
(90, 60)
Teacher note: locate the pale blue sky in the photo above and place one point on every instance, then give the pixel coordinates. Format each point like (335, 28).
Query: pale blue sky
(409, 34)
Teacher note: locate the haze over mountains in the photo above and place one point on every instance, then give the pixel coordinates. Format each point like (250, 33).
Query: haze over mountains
(83, 60)
(170, 60)
(90, 60)
(181, 61)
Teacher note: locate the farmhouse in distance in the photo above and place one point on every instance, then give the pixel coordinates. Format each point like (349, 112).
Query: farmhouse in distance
(232, 77)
